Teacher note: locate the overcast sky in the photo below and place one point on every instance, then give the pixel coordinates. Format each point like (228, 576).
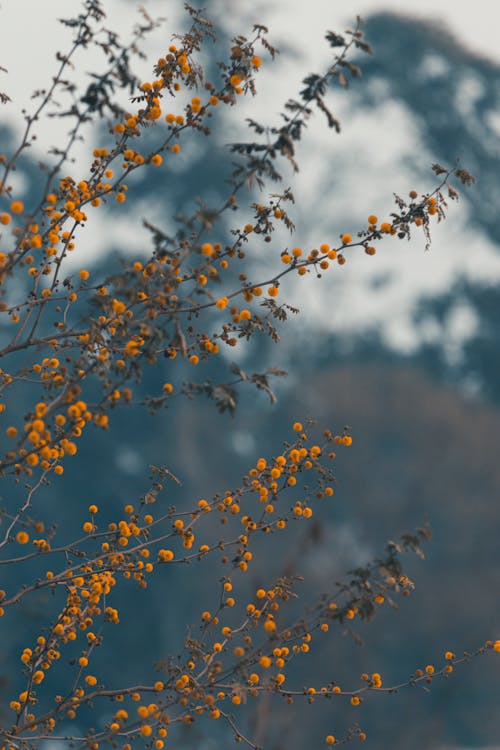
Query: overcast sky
(29, 32)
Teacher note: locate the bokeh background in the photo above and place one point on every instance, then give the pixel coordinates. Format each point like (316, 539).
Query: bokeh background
(404, 347)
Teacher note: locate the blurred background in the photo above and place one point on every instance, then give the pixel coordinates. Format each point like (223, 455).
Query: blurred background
(404, 347)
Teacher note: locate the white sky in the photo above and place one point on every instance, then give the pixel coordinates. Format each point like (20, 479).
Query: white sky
(30, 35)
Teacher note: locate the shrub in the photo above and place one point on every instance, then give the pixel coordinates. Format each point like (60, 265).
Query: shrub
(75, 345)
